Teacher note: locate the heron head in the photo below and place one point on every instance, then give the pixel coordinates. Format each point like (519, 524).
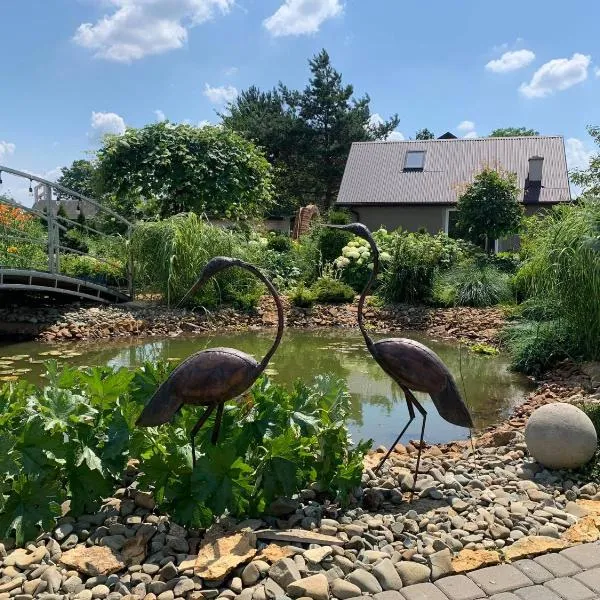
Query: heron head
(356, 228)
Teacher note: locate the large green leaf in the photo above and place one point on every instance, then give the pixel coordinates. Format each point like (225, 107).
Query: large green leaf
(30, 508)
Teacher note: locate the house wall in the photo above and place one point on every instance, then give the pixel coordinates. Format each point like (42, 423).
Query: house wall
(410, 218)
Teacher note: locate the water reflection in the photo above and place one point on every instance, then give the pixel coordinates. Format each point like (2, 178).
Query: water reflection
(378, 407)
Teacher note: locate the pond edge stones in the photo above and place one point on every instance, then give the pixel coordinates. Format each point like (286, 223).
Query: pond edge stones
(560, 436)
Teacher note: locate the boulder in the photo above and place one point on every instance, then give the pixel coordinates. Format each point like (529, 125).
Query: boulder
(560, 436)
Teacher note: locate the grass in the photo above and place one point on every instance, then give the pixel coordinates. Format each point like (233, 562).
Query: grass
(169, 256)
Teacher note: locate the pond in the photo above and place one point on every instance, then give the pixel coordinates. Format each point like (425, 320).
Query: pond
(378, 407)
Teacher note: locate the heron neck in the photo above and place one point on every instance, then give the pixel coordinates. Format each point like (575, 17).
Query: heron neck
(280, 324)
(363, 296)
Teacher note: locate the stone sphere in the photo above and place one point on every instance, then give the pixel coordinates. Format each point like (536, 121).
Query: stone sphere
(560, 436)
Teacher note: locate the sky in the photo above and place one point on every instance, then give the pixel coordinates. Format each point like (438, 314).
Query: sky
(73, 70)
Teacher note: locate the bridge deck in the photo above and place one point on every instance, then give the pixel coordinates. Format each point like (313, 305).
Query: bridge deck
(24, 280)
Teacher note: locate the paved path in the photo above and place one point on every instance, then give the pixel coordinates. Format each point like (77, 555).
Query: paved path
(573, 574)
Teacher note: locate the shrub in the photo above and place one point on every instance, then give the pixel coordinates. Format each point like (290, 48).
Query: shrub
(70, 441)
(414, 260)
(329, 290)
(469, 284)
(108, 272)
(169, 256)
(279, 242)
(560, 279)
(535, 347)
(302, 297)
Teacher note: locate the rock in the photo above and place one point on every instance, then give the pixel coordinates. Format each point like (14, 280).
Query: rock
(53, 578)
(298, 536)
(585, 530)
(387, 575)
(215, 561)
(145, 500)
(283, 507)
(365, 581)
(372, 499)
(134, 550)
(412, 572)
(83, 595)
(62, 531)
(315, 587)
(560, 436)
(344, 589)
(168, 571)
(284, 572)
(467, 560)
(272, 589)
(100, 591)
(532, 546)
(11, 584)
(92, 560)
(250, 574)
(273, 553)
(389, 595)
(183, 586)
(316, 555)
(23, 559)
(73, 585)
(441, 564)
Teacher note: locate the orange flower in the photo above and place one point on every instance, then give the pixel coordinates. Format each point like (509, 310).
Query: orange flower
(12, 250)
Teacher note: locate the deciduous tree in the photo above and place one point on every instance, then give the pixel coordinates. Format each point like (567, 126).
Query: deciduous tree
(513, 132)
(163, 169)
(489, 208)
(424, 134)
(589, 179)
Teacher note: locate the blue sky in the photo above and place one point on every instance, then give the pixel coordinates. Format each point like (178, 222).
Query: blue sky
(75, 69)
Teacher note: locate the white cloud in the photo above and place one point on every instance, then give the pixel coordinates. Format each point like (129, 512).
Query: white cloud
(6, 148)
(160, 115)
(557, 75)
(578, 154)
(220, 95)
(138, 28)
(511, 61)
(597, 71)
(395, 136)
(231, 71)
(300, 17)
(471, 134)
(466, 126)
(104, 123)
(204, 123)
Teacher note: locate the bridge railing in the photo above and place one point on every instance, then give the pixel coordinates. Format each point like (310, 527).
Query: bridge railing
(65, 233)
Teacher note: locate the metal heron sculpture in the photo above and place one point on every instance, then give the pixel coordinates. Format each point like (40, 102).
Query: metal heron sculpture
(413, 366)
(211, 377)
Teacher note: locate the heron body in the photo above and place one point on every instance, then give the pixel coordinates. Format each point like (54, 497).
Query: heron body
(413, 366)
(210, 377)
(206, 378)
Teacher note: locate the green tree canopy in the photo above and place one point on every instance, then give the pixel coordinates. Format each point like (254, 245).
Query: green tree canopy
(513, 132)
(164, 169)
(307, 134)
(489, 208)
(79, 177)
(589, 179)
(424, 134)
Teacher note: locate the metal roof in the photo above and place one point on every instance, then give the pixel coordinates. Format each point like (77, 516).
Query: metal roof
(375, 173)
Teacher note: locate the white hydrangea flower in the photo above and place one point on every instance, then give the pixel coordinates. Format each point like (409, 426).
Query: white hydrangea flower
(353, 254)
(385, 256)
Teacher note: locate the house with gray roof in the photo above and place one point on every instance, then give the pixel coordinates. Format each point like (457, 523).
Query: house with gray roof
(416, 184)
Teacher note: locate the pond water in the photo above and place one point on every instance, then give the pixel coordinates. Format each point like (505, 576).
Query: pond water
(378, 407)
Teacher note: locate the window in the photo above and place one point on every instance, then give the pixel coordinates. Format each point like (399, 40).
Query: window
(451, 219)
(414, 160)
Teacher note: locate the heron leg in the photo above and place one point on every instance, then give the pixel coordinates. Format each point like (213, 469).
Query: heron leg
(196, 429)
(217, 427)
(411, 412)
(419, 407)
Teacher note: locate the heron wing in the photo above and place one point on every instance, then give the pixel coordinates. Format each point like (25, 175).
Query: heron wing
(412, 364)
(208, 377)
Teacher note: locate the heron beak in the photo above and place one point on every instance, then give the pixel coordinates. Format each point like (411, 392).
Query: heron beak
(211, 268)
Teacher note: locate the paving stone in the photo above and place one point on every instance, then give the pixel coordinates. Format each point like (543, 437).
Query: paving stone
(501, 578)
(533, 570)
(587, 556)
(536, 592)
(459, 587)
(570, 589)
(558, 565)
(423, 591)
(504, 596)
(590, 578)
